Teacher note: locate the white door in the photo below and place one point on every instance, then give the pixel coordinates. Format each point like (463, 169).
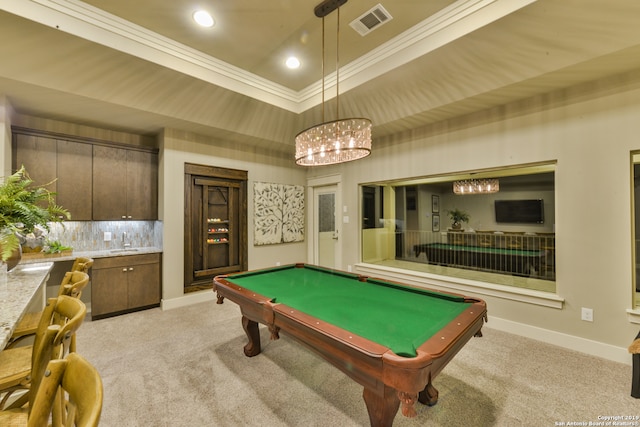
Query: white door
(327, 227)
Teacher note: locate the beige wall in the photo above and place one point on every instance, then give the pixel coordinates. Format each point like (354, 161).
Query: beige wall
(590, 131)
(6, 113)
(178, 148)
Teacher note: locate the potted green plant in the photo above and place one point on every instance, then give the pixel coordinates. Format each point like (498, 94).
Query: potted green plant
(23, 208)
(55, 247)
(457, 218)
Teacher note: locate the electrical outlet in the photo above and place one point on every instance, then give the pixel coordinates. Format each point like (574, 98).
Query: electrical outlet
(277, 263)
(587, 314)
(107, 236)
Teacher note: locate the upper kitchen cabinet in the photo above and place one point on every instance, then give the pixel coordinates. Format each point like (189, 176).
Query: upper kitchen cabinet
(62, 164)
(74, 161)
(125, 184)
(94, 179)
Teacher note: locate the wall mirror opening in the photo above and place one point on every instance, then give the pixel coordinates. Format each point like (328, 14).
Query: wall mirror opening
(505, 237)
(635, 202)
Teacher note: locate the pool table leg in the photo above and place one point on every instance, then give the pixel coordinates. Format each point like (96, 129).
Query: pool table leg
(428, 396)
(382, 408)
(251, 329)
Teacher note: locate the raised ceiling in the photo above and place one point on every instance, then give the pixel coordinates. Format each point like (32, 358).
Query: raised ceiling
(258, 36)
(141, 66)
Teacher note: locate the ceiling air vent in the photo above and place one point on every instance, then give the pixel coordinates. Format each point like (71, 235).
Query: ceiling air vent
(370, 20)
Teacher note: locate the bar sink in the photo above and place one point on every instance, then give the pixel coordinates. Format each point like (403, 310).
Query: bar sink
(118, 251)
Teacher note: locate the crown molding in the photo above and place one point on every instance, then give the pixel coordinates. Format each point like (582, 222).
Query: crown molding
(451, 23)
(85, 21)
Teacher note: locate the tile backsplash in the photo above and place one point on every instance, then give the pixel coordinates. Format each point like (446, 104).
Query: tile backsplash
(90, 235)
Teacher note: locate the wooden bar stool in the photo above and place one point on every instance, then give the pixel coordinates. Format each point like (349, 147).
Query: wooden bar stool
(70, 394)
(72, 285)
(22, 368)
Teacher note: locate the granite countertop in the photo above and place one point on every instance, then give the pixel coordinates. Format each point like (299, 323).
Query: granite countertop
(26, 278)
(28, 259)
(22, 283)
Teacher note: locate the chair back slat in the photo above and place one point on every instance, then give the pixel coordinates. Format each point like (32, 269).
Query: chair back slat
(71, 393)
(61, 319)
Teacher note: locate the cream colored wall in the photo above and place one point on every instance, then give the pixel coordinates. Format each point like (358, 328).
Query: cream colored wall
(6, 113)
(590, 131)
(84, 131)
(178, 148)
(377, 244)
(482, 214)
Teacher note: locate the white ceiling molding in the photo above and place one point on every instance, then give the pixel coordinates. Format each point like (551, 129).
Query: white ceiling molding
(451, 23)
(87, 22)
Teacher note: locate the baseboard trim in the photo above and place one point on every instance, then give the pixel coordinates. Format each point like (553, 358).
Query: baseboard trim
(188, 299)
(570, 342)
(582, 345)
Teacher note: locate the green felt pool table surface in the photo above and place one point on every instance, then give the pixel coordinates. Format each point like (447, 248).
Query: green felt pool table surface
(390, 337)
(395, 316)
(484, 250)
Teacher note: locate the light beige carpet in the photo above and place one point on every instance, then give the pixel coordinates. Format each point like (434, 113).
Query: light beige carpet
(185, 367)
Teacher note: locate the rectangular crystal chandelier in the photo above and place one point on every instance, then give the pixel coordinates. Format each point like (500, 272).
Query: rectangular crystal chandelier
(334, 142)
(340, 140)
(476, 186)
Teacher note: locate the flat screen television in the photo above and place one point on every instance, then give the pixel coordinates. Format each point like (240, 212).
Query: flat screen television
(520, 211)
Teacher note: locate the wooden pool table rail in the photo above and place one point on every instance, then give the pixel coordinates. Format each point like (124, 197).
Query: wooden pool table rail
(389, 380)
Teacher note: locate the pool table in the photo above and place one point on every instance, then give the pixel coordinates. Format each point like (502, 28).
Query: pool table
(520, 262)
(391, 338)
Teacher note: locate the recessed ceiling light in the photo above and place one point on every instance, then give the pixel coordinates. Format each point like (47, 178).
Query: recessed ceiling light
(204, 18)
(292, 62)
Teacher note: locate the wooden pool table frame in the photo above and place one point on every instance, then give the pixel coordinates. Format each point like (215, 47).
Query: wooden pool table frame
(388, 379)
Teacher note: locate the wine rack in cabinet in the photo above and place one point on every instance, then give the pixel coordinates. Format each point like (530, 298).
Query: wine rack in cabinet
(215, 228)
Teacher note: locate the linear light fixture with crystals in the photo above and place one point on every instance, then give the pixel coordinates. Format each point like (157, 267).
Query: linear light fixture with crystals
(476, 186)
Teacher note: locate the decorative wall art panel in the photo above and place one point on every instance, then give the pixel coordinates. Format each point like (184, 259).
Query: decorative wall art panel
(278, 213)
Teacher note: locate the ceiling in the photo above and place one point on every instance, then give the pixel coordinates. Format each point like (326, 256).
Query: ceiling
(141, 66)
(257, 36)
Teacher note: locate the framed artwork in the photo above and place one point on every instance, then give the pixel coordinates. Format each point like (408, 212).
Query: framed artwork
(435, 204)
(278, 213)
(435, 222)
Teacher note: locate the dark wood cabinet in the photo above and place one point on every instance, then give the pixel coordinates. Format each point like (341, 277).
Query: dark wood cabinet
(74, 183)
(124, 184)
(125, 283)
(142, 185)
(94, 179)
(109, 183)
(64, 164)
(36, 153)
(215, 224)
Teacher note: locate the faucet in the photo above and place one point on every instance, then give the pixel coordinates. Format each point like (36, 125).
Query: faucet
(125, 244)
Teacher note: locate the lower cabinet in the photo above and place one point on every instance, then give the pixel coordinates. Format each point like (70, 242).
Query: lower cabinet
(124, 283)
